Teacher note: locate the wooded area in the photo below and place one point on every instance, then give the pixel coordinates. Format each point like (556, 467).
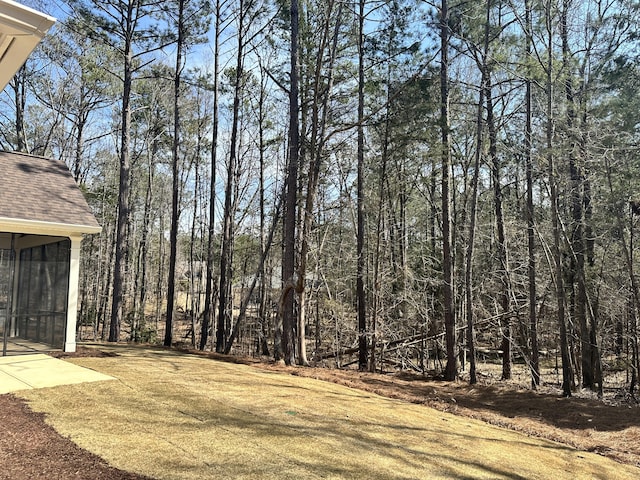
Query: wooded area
(388, 184)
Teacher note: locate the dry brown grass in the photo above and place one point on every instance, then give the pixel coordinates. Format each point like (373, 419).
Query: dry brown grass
(172, 415)
(583, 421)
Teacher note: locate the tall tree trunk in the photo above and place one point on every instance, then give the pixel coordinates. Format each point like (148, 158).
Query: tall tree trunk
(161, 259)
(225, 305)
(194, 277)
(143, 248)
(175, 190)
(531, 248)
(505, 293)
(319, 114)
(576, 273)
(382, 175)
(360, 274)
(206, 316)
(555, 215)
(484, 90)
(632, 325)
(290, 281)
(122, 241)
(468, 274)
(588, 255)
(451, 369)
(79, 148)
(263, 344)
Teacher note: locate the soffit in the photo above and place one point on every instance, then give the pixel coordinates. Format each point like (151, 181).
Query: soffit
(21, 29)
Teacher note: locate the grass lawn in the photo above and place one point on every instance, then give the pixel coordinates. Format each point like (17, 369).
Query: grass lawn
(177, 416)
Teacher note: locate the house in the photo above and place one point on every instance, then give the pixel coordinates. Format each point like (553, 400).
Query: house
(43, 216)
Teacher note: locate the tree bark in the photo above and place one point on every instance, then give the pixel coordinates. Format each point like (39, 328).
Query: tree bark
(360, 274)
(483, 90)
(18, 86)
(468, 274)
(122, 240)
(206, 316)
(555, 216)
(505, 291)
(143, 249)
(175, 190)
(263, 344)
(225, 307)
(531, 248)
(289, 278)
(451, 369)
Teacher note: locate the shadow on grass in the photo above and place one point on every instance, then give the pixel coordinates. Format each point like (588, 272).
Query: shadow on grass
(551, 409)
(267, 435)
(239, 412)
(554, 410)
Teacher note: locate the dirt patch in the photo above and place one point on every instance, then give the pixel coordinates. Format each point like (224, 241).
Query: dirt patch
(31, 449)
(83, 352)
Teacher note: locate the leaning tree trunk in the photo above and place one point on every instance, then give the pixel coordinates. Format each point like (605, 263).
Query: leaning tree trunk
(226, 259)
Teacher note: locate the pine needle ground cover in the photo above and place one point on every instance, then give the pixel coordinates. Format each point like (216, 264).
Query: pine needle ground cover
(175, 416)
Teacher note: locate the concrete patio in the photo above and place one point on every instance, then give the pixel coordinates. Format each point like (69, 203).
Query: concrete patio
(26, 367)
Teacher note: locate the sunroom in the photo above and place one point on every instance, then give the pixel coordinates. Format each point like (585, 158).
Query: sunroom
(43, 217)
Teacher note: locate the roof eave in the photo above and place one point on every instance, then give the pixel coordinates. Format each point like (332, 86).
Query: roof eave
(37, 227)
(21, 29)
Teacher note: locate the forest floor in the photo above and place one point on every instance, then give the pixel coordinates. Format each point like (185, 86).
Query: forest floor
(30, 448)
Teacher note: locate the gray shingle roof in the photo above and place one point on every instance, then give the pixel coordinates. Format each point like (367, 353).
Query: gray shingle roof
(38, 189)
